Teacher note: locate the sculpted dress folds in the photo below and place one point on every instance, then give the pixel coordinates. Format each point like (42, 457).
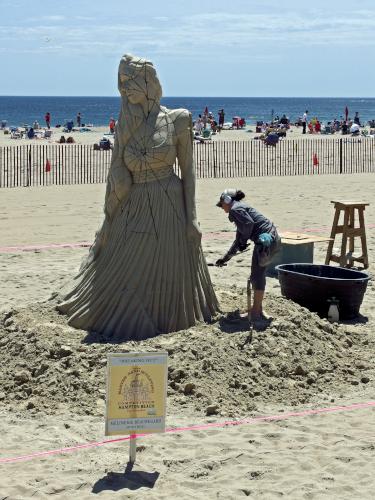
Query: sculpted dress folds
(145, 273)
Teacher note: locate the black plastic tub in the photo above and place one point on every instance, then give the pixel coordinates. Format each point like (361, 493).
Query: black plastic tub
(312, 285)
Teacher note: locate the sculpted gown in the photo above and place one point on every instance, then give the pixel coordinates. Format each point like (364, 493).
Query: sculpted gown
(147, 278)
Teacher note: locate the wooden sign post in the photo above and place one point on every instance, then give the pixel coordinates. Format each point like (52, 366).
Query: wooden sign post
(136, 395)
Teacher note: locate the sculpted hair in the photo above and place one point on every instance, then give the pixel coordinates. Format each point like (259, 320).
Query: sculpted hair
(136, 66)
(131, 115)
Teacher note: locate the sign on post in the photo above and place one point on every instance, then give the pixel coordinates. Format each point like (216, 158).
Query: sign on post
(136, 393)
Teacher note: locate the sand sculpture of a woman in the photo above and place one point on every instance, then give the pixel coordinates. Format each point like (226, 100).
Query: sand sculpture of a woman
(146, 273)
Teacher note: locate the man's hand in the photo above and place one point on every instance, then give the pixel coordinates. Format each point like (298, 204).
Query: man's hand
(221, 262)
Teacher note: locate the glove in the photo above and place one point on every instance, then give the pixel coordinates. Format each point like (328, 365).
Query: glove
(265, 239)
(221, 262)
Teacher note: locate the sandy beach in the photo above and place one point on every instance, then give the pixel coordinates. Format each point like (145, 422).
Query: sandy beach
(61, 400)
(95, 134)
(255, 396)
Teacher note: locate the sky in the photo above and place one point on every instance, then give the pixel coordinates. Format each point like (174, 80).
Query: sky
(258, 48)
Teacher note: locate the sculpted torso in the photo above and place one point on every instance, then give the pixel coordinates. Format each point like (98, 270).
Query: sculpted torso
(152, 144)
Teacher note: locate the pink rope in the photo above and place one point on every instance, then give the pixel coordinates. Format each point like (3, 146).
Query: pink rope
(48, 246)
(199, 427)
(215, 235)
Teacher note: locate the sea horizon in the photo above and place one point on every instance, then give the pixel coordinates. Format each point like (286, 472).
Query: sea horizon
(97, 110)
(194, 97)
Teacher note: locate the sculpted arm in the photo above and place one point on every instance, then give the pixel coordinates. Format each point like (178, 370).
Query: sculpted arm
(184, 129)
(119, 178)
(119, 182)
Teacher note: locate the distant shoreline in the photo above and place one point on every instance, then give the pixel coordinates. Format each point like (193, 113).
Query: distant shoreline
(97, 110)
(191, 97)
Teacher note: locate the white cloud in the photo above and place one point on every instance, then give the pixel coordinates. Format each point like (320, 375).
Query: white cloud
(53, 18)
(48, 19)
(227, 34)
(84, 18)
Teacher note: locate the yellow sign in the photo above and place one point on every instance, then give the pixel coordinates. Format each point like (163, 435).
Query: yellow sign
(136, 393)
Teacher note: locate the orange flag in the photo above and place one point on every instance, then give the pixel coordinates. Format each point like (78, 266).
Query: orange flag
(48, 166)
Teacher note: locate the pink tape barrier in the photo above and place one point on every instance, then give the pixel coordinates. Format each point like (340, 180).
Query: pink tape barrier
(200, 427)
(216, 235)
(49, 246)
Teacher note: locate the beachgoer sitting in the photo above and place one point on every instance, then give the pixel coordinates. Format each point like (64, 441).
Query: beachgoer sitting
(284, 120)
(236, 122)
(271, 139)
(31, 133)
(281, 132)
(354, 129)
(318, 127)
(70, 140)
(105, 144)
(214, 126)
(69, 126)
(62, 140)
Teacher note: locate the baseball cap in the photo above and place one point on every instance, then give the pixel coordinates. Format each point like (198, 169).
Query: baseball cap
(226, 197)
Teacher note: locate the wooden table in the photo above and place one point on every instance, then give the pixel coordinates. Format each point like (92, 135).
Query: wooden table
(296, 248)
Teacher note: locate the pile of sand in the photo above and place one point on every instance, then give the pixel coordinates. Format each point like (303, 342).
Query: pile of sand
(222, 368)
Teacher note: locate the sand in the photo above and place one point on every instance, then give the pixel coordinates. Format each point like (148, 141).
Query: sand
(52, 380)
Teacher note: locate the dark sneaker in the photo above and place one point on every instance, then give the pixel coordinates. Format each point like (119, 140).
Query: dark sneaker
(266, 316)
(260, 323)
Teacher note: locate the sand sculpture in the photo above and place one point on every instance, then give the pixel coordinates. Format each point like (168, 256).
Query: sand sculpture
(145, 273)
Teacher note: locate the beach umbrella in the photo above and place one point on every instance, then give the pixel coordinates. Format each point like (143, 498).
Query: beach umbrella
(346, 113)
(206, 110)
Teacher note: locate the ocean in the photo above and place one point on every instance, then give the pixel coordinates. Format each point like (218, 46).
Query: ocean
(98, 110)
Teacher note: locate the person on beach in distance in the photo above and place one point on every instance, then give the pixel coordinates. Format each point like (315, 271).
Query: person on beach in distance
(47, 119)
(304, 121)
(251, 225)
(112, 125)
(356, 119)
(78, 119)
(221, 118)
(30, 133)
(145, 273)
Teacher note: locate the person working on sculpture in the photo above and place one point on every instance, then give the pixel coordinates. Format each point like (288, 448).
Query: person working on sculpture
(251, 225)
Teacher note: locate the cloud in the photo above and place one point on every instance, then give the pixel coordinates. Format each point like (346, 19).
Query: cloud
(198, 35)
(84, 18)
(48, 19)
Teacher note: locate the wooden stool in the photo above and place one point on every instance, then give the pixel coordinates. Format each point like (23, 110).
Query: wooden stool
(349, 232)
